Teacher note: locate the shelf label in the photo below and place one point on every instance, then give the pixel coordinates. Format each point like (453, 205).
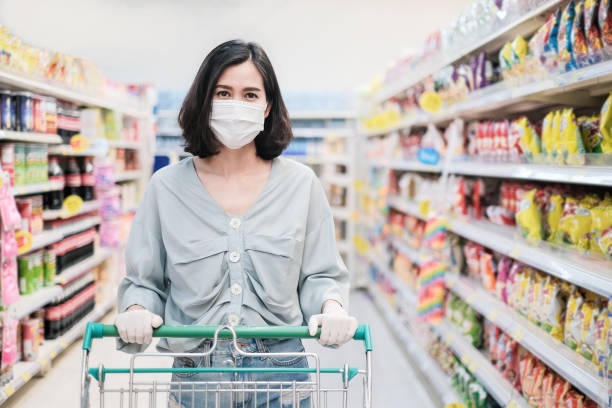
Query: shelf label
(513, 404)
(473, 367)
(78, 143)
(470, 298)
(493, 315)
(26, 377)
(455, 405)
(43, 361)
(518, 334)
(52, 354)
(431, 102)
(24, 241)
(515, 252)
(428, 155)
(73, 204)
(465, 359)
(448, 339)
(424, 208)
(63, 343)
(9, 390)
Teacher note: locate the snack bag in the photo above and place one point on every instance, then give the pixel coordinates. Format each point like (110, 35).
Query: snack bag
(529, 216)
(513, 288)
(573, 322)
(511, 364)
(503, 273)
(564, 37)
(533, 297)
(487, 271)
(528, 138)
(472, 327)
(547, 141)
(605, 125)
(601, 229)
(537, 44)
(472, 258)
(502, 342)
(551, 48)
(553, 311)
(591, 135)
(588, 330)
(505, 59)
(526, 367)
(602, 330)
(560, 388)
(579, 41)
(519, 51)
(575, 224)
(591, 28)
(605, 25)
(573, 399)
(571, 139)
(557, 142)
(526, 289)
(553, 216)
(493, 337)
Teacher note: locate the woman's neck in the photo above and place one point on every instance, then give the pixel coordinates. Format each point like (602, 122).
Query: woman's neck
(232, 162)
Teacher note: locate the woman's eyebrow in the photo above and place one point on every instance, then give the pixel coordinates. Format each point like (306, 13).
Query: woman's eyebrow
(251, 89)
(224, 87)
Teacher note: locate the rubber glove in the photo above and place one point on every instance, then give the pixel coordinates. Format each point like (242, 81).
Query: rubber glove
(337, 327)
(136, 324)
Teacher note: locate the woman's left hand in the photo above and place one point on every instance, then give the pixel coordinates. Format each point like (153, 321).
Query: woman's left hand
(337, 327)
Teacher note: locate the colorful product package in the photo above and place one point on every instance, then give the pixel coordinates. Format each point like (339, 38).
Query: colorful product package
(605, 125)
(472, 258)
(9, 282)
(557, 142)
(472, 326)
(487, 271)
(573, 323)
(528, 137)
(547, 141)
(571, 139)
(580, 46)
(529, 217)
(511, 363)
(553, 311)
(537, 46)
(564, 37)
(605, 25)
(513, 284)
(503, 273)
(551, 48)
(575, 224)
(533, 297)
(602, 332)
(601, 229)
(588, 331)
(591, 28)
(553, 216)
(591, 135)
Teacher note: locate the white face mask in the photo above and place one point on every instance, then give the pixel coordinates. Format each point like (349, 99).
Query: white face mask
(236, 123)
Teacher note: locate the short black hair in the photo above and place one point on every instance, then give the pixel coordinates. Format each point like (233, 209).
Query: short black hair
(194, 116)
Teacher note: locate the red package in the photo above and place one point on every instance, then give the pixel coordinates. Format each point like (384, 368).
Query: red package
(499, 215)
(472, 258)
(478, 193)
(460, 205)
(492, 333)
(593, 34)
(560, 388)
(548, 400)
(501, 138)
(573, 400)
(502, 342)
(503, 272)
(605, 24)
(511, 364)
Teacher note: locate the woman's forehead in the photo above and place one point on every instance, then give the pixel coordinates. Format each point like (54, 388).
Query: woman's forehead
(242, 75)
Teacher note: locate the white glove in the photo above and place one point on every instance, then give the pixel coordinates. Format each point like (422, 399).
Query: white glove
(337, 327)
(136, 326)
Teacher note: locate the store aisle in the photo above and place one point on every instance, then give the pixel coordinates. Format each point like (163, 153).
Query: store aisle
(395, 381)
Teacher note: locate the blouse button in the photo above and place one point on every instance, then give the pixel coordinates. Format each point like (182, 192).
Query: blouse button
(233, 320)
(235, 223)
(234, 256)
(236, 289)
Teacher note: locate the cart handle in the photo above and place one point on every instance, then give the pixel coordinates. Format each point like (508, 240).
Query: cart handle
(99, 330)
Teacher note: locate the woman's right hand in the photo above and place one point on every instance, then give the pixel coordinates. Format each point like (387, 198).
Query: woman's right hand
(136, 324)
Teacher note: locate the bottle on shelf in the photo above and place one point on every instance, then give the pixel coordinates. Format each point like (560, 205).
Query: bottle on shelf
(73, 178)
(55, 199)
(88, 180)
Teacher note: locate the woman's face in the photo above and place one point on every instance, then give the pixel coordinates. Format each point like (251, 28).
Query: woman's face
(242, 82)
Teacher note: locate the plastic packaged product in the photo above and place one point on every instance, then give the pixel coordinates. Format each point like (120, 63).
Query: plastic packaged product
(605, 125)
(564, 37)
(553, 216)
(528, 138)
(478, 395)
(487, 271)
(557, 141)
(7, 121)
(503, 273)
(575, 224)
(519, 52)
(547, 134)
(529, 217)
(534, 298)
(49, 267)
(573, 322)
(554, 308)
(433, 139)
(589, 312)
(591, 135)
(605, 25)
(573, 399)
(514, 285)
(537, 46)
(472, 326)
(551, 49)
(593, 33)
(601, 229)
(505, 59)
(499, 215)
(579, 40)
(571, 138)
(472, 258)
(602, 330)
(511, 363)
(492, 333)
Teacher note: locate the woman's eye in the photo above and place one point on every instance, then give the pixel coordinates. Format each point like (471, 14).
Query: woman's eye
(251, 95)
(223, 94)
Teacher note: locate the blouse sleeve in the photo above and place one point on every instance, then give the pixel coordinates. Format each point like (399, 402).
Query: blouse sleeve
(323, 275)
(145, 255)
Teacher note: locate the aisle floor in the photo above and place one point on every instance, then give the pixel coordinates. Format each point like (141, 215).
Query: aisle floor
(394, 379)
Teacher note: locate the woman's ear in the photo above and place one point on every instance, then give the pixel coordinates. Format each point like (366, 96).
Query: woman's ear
(268, 110)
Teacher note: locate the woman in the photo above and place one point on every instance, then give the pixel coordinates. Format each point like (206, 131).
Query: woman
(235, 235)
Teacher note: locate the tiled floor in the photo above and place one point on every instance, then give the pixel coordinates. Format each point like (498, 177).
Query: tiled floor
(394, 380)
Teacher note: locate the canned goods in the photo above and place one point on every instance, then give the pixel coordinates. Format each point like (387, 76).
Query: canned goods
(49, 266)
(24, 112)
(6, 106)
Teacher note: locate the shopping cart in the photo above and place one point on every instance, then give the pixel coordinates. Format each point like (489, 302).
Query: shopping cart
(155, 392)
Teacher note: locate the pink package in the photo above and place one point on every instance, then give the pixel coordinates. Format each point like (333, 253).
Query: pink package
(8, 244)
(9, 341)
(511, 282)
(503, 271)
(10, 285)
(11, 220)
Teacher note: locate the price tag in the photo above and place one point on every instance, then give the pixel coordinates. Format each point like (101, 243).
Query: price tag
(52, 354)
(44, 361)
(61, 280)
(513, 404)
(470, 298)
(24, 241)
(455, 405)
(465, 359)
(63, 343)
(26, 377)
(431, 102)
(73, 204)
(473, 367)
(518, 334)
(493, 315)
(424, 208)
(448, 339)
(515, 252)
(78, 143)
(9, 390)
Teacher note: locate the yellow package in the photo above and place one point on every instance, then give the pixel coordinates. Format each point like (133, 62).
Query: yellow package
(547, 141)
(557, 145)
(601, 229)
(553, 308)
(529, 217)
(601, 337)
(520, 293)
(533, 297)
(575, 224)
(529, 140)
(553, 216)
(572, 319)
(571, 138)
(588, 330)
(605, 125)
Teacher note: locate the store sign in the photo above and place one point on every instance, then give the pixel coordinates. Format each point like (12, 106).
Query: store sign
(72, 205)
(428, 155)
(430, 102)
(78, 143)
(24, 241)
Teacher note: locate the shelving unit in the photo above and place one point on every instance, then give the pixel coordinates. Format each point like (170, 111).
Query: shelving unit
(37, 188)
(88, 206)
(129, 175)
(73, 272)
(48, 237)
(29, 137)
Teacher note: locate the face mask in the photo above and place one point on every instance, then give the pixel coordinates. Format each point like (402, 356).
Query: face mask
(236, 123)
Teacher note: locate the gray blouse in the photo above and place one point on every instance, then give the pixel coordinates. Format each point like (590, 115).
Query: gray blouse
(191, 262)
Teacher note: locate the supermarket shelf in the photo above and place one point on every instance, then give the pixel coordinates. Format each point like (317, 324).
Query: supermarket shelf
(524, 25)
(426, 364)
(323, 114)
(403, 123)
(67, 150)
(407, 293)
(341, 213)
(37, 188)
(407, 165)
(566, 362)
(30, 303)
(68, 274)
(129, 175)
(337, 179)
(599, 175)
(62, 92)
(322, 132)
(497, 386)
(29, 137)
(48, 237)
(321, 159)
(24, 371)
(126, 144)
(413, 254)
(587, 272)
(404, 206)
(88, 206)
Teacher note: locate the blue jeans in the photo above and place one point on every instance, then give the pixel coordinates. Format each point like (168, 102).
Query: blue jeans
(187, 395)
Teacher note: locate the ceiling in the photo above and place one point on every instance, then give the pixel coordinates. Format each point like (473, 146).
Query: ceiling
(315, 45)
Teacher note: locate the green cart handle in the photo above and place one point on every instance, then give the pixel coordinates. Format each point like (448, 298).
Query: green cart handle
(99, 330)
